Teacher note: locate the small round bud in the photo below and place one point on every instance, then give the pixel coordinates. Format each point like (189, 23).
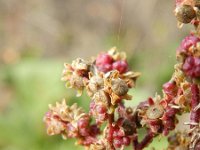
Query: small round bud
(117, 142)
(129, 110)
(126, 141)
(104, 62)
(191, 67)
(119, 87)
(120, 133)
(185, 13)
(120, 65)
(170, 88)
(101, 96)
(170, 112)
(155, 112)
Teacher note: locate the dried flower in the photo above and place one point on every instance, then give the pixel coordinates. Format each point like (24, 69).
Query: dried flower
(155, 112)
(95, 83)
(74, 75)
(185, 13)
(119, 87)
(116, 87)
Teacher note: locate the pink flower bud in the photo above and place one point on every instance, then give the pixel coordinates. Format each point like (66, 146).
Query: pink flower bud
(188, 42)
(121, 66)
(191, 67)
(104, 62)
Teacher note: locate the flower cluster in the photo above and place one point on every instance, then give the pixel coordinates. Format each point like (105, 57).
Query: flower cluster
(121, 133)
(107, 79)
(112, 60)
(189, 56)
(71, 122)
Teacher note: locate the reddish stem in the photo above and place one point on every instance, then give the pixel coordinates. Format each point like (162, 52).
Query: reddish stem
(145, 142)
(195, 99)
(135, 143)
(110, 121)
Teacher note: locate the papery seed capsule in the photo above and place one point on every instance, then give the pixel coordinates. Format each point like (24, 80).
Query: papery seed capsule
(119, 87)
(95, 83)
(76, 81)
(101, 96)
(185, 13)
(155, 112)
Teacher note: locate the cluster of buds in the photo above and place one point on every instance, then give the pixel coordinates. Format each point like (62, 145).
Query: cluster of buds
(70, 122)
(189, 56)
(159, 114)
(121, 133)
(109, 124)
(112, 60)
(76, 74)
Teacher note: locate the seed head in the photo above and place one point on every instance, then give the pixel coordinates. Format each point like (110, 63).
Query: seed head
(119, 87)
(155, 112)
(185, 13)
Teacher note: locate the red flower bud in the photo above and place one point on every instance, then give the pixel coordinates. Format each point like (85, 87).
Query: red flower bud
(104, 62)
(120, 65)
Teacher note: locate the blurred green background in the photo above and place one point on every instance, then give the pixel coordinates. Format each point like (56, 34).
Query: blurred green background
(38, 36)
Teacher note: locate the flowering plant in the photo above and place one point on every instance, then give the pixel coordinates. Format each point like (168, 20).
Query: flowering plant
(109, 124)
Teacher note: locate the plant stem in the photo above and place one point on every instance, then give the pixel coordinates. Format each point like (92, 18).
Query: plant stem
(146, 140)
(110, 121)
(195, 99)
